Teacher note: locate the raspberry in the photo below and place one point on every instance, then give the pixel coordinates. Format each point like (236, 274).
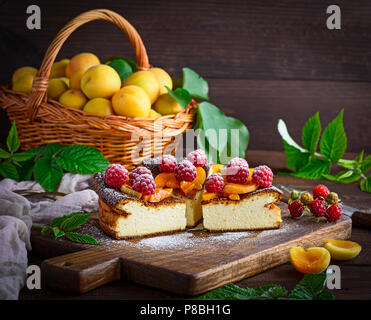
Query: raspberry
(333, 213)
(185, 171)
(115, 175)
(332, 198)
(145, 184)
(318, 208)
(214, 183)
(168, 163)
(306, 198)
(262, 176)
(197, 157)
(138, 172)
(296, 209)
(237, 171)
(320, 191)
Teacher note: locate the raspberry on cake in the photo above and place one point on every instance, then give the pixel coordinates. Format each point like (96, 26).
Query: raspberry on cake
(137, 208)
(233, 202)
(197, 158)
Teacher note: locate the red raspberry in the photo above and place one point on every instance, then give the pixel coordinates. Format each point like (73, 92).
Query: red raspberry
(197, 157)
(115, 175)
(318, 208)
(168, 163)
(296, 209)
(333, 213)
(185, 171)
(138, 172)
(320, 191)
(262, 176)
(237, 171)
(145, 184)
(214, 183)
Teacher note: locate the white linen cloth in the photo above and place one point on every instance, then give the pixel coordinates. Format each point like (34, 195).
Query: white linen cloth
(17, 214)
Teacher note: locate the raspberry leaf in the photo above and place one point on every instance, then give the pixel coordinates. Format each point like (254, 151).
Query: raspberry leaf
(12, 141)
(9, 170)
(48, 173)
(334, 140)
(315, 169)
(311, 133)
(366, 184)
(4, 154)
(311, 287)
(195, 84)
(57, 221)
(81, 238)
(295, 159)
(74, 221)
(344, 176)
(366, 164)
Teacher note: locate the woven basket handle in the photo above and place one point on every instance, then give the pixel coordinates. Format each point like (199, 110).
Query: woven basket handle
(41, 81)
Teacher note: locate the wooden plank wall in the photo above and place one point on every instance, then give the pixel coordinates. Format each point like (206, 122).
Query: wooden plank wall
(264, 60)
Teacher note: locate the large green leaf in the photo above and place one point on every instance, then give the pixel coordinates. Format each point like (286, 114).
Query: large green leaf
(311, 287)
(48, 173)
(311, 133)
(315, 169)
(182, 96)
(295, 159)
(122, 67)
(195, 84)
(9, 170)
(334, 140)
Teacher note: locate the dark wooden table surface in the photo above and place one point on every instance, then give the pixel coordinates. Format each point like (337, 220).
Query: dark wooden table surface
(355, 274)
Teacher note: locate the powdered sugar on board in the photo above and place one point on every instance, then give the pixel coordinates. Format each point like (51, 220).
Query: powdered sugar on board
(188, 239)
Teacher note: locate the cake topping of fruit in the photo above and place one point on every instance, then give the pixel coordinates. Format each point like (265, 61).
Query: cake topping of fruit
(262, 176)
(168, 163)
(318, 208)
(145, 184)
(214, 183)
(115, 175)
(237, 171)
(197, 158)
(320, 191)
(333, 213)
(296, 209)
(185, 171)
(138, 172)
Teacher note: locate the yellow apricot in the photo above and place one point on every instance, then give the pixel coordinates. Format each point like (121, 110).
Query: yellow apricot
(342, 249)
(145, 80)
(75, 79)
(58, 69)
(24, 84)
(166, 104)
(73, 98)
(312, 260)
(163, 79)
(56, 88)
(23, 71)
(153, 114)
(81, 61)
(100, 106)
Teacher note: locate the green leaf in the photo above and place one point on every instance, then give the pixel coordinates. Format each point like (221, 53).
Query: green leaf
(12, 141)
(74, 221)
(225, 292)
(4, 154)
(315, 169)
(334, 140)
(366, 184)
(182, 96)
(349, 176)
(366, 164)
(311, 287)
(195, 84)
(46, 230)
(82, 159)
(26, 169)
(52, 149)
(311, 133)
(48, 173)
(271, 291)
(81, 238)
(122, 67)
(129, 61)
(57, 232)
(9, 170)
(282, 129)
(23, 156)
(56, 222)
(295, 159)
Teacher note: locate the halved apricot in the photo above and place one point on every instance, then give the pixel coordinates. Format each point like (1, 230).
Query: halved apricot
(200, 177)
(239, 188)
(208, 196)
(187, 186)
(160, 194)
(342, 249)
(312, 260)
(166, 179)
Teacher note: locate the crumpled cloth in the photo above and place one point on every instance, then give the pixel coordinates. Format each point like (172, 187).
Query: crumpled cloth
(18, 214)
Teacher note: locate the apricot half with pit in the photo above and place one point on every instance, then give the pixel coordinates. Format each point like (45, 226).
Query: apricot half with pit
(312, 260)
(342, 249)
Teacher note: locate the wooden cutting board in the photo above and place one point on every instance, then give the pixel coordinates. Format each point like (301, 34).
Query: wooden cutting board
(188, 263)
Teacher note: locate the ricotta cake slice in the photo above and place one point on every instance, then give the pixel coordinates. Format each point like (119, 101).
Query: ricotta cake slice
(253, 211)
(125, 216)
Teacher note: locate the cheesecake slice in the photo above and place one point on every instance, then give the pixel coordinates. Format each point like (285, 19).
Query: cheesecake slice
(125, 216)
(253, 211)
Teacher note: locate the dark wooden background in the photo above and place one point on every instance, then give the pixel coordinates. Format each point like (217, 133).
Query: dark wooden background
(264, 60)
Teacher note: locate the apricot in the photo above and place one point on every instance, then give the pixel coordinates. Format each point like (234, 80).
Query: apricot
(234, 196)
(251, 170)
(126, 189)
(239, 188)
(73, 98)
(81, 61)
(216, 168)
(167, 179)
(312, 260)
(166, 104)
(99, 106)
(200, 177)
(24, 84)
(187, 186)
(75, 79)
(23, 71)
(145, 80)
(163, 79)
(342, 249)
(160, 194)
(153, 114)
(100, 81)
(208, 196)
(58, 69)
(57, 86)
(131, 101)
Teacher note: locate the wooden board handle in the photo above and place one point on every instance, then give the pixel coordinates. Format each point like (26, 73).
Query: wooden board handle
(81, 271)
(361, 218)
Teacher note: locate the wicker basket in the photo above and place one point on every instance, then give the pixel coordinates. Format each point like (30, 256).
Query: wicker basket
(42, 121)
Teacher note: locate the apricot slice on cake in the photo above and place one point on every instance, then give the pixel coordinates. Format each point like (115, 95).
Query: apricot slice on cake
(239, 188)
(312, 260)
(342, 249)
(160, 194)
(166, 179)
(128, 190)
(208, 196)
